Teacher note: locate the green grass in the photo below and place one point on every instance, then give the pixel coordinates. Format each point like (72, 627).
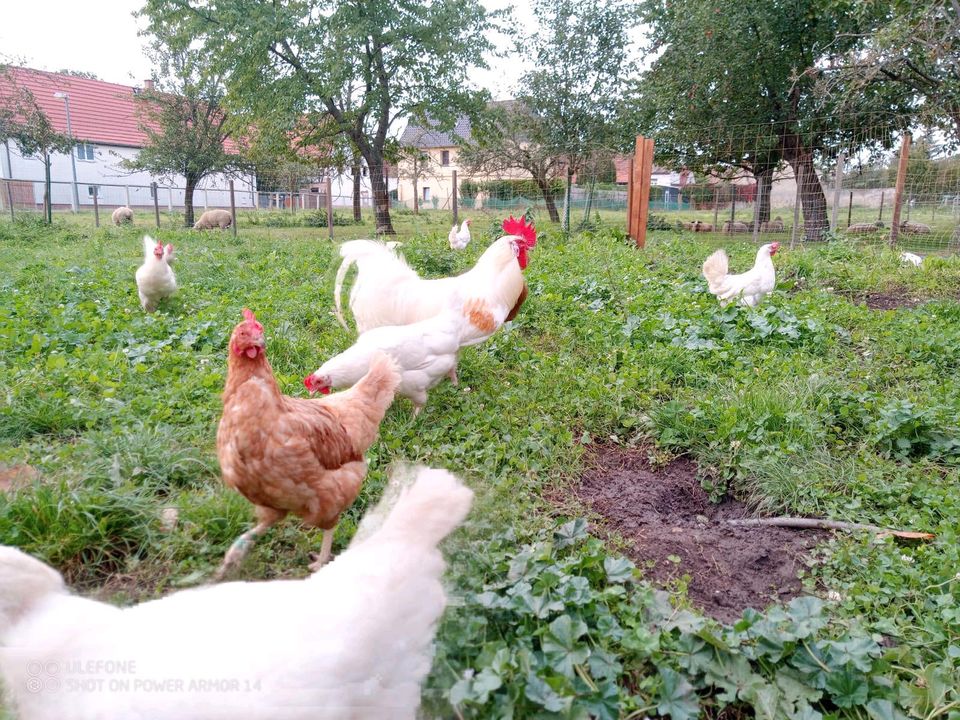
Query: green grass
(811, 404)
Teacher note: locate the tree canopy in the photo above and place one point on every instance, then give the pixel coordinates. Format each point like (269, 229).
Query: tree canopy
(351, 67)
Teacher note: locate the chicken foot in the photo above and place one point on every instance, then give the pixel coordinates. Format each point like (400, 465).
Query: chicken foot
(325, 549)
(241, 546)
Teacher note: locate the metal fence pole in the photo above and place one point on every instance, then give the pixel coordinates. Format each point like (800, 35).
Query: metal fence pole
(329, 185)
(453, 199)
(716, 209)
(96, 207)
(850, 209)
(156, 202)
(756, 211)
(233, 211)
(10, 197)
(170, 199)
(796, 217)
(880, 216)
(127, 190)
(837, 182)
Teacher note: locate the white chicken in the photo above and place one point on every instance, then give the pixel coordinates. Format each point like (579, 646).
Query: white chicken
(911, 258)
(155, 278)
(749, 287)
(354, 640)
(424, 351)
(387, 291)
(459, 240)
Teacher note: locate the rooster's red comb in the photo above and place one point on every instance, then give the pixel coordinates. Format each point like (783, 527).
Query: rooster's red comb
(520, 228)
(249, 317)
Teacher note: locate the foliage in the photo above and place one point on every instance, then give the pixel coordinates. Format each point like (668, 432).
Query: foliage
(505, 189)
(184, 121)
(308, 218)
(347, 68)
(811, 405)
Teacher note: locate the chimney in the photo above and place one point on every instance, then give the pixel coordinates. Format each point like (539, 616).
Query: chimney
(148, 84)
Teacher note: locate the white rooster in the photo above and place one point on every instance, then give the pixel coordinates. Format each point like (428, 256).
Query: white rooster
(155, 278)
(424, 351)
(354, 640)
(387, 291)
(749, 287)
(459, 240)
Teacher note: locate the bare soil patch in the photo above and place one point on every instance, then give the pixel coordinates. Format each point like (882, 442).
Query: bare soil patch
(674, 530)
(890, 299)
(17, 476)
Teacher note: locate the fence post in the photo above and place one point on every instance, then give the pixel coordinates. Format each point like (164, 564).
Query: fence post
(10, 198)
(206, 200)
(233, 211)
(716, 208)
(638, 192)
(96, 207)
(156, 202)
(170, 199)
(837, 182)
(796, 217)
(880, 217)
(850, 209)
(733, 206)
(329, 185)
(630, 198)
(756, 211)
(901, 181)
(453, 199)
(127, 190)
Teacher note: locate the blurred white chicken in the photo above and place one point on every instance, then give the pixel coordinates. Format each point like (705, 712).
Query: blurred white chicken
(909, 257)
(354, 640)
(155, 278)
(749, 287)
(459, 240)
(424, 351)
(387, 291)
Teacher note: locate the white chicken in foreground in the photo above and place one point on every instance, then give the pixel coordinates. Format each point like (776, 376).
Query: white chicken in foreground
(387, 291)
(912, 258)
(749, 287)
(459, 240)
(354, 640)
(424, 351)
(155, 278)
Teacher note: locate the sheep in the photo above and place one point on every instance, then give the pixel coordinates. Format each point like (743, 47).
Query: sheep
(735, 226)
(700, 226)
(122, 215)
(914, 228)
(214, 218)
(775, 225)
(864, 228)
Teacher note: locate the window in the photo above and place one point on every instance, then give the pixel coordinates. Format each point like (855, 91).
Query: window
(93, 190)
(445, 158)
(426, 193)
(84, 151)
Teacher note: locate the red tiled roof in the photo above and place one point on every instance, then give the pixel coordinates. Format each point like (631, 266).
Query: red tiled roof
(100, 112)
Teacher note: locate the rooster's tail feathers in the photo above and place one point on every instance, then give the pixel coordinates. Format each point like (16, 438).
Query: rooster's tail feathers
(24, 581)
(148, 245)
(430, 504)
(715, 269)
(351, 252)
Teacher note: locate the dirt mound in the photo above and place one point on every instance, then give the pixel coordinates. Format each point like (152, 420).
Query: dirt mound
(890, 299)
(675, 530)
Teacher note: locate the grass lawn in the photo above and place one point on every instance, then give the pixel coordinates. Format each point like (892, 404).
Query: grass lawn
(813, 404)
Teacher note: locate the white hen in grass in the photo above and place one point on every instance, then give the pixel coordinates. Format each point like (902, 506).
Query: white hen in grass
(749, 287)
(909, 257)
(354, 640)
(155, 278)
(460, 239)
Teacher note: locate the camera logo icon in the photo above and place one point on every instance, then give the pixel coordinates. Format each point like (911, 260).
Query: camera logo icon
(43, 676)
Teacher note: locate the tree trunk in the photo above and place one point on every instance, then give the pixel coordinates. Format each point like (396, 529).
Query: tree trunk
(814, 204)
(568, 197)
(416, 198)
(191, 185)
(585, 223)
(47, 200)
(547, 193)
(356, 169)
(764, 186)
(378, 184)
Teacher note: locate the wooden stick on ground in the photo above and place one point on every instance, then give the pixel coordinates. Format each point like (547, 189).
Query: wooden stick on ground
(818, 524)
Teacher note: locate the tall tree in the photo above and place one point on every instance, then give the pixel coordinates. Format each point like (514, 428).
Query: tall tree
(734, 86)
(184, 121)
(23, 121)
(348, 66)
(581, 57)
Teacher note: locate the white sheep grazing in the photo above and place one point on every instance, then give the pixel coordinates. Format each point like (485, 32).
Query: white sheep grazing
(214, 218)
(122, 215)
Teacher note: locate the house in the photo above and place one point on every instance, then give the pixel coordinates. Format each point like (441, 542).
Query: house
(102, 117)
(659, 176)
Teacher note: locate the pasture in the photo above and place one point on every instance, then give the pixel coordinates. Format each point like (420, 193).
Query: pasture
(838, 398)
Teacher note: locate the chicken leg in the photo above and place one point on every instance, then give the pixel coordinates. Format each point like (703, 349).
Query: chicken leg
(268, 517)
(453, 376)
(325, 547)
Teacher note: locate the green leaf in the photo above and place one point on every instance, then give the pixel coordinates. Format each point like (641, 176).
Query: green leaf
(561, 644)
(538, 691)
(570, 533)
(619, 569)
(677, 697)
(847, 688)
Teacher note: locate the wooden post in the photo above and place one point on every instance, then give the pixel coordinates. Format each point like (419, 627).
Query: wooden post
(733, 204)
(329, 185)
(850, 209)
(901, 181)
(837, 182)
(630, 199)
(233, 211)
(453, 199)
(639, 190)
(716, 208)
(96, 207)
(156, 202)
(880, 217)
(796, 218)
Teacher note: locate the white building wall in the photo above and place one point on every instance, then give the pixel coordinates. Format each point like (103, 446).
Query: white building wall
(116, 185)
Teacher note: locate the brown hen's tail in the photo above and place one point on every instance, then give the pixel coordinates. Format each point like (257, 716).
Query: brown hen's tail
(362, 407)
